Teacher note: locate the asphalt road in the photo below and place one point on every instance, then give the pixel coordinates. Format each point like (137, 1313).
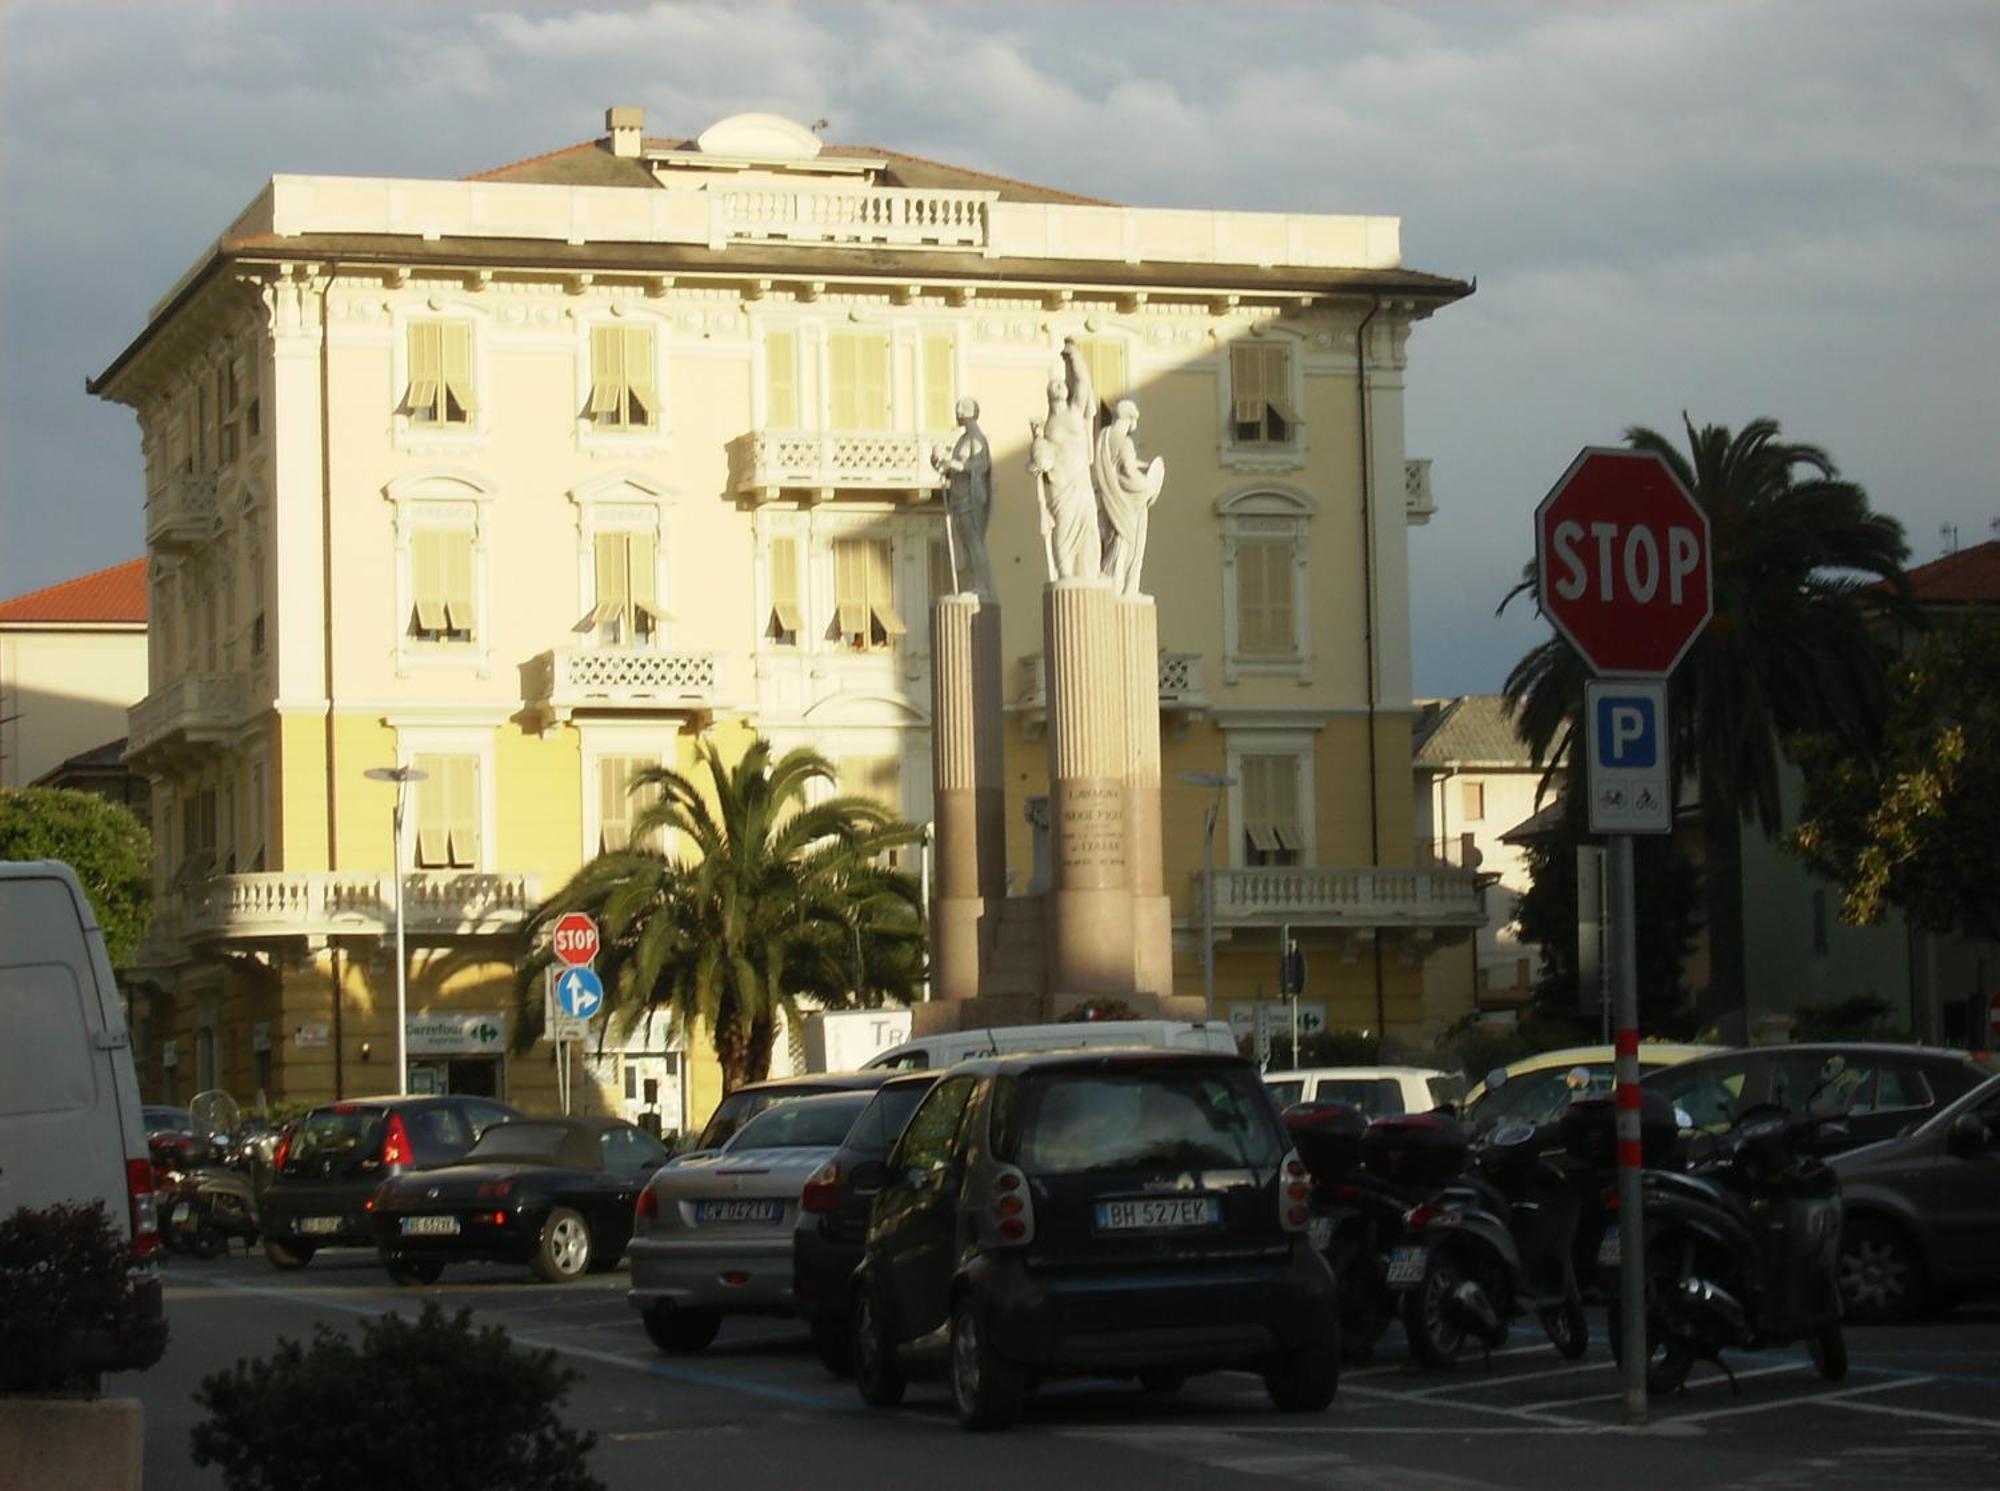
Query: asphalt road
(1918, 1406)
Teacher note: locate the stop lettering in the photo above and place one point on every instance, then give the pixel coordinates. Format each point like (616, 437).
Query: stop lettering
(574, 938)
(1622, 565)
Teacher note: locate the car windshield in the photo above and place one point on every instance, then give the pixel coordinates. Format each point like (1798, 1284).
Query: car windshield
(740, 1107)
(160, 1120)
(1534, 1097)
(519, 1141)
(819, 1124)
(1378, 1097)
(1070, 1122)
(334, 1138)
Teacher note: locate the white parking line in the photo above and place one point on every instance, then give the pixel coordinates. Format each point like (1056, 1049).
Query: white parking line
(1841, 1396)
(1466, 1384)
(1407, 1367)
(1616, 1397)
(1522, 1415)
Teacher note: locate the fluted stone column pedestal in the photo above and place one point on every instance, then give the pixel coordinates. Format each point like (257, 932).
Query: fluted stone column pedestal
(968, 790)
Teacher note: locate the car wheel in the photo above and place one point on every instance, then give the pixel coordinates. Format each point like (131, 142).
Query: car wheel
(986, 1388)
(1162, 1380)
(287, 1255)
(1306, 1380)
(1881, 1277)
(406, 1270)
(1568, 1328)
(1436, 1336)
(564, 1251)
(680, 1332)
(1829, 1351)
(833, 1340)
(876, 1372)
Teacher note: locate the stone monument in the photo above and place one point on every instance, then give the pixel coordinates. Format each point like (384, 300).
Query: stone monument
(1101, 927)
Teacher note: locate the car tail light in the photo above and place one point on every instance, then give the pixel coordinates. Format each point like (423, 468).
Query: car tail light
(499, 1219)
(1611, 1198)
(497, 1190)
(284, 1148)
(822, 1192)
(1294, 1193)
(648, 1207)
(1349, 1193)
(396, 1142)
(1422, 1215)
(145, 1210)
(1012, 1207)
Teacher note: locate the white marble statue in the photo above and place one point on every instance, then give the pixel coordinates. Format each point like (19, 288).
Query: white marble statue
(1060, 458)
(967, 468)
(1126, 491)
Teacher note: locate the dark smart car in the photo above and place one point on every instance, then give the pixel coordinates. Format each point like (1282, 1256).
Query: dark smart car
(1120, 1213)
(554, 1193)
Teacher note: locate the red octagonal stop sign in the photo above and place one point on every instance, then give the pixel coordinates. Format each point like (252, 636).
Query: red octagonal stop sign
(575, 938)
(1621, 562)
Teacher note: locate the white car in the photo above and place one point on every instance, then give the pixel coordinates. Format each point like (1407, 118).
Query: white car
(1377, 1091)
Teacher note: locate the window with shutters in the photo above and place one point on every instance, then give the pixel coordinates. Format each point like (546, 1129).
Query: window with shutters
(442, 598)
(198, 837)
(782, 625)
(864, 611)
(622, 389)
(440, 362)
(858, 392)
(622, 801)
(781, 379)
(448, 812)
(1266, 591)
(1109, 380)
(1261, 408)
(940, 384)
(625, 610)
(1273, 825)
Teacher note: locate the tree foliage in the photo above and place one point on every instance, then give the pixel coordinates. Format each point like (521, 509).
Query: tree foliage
(107, 846)
(1794, 552)
(430, 1402)
(773, 903)
(1917, 829)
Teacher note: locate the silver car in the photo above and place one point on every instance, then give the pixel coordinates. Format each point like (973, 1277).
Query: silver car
(713, 1234)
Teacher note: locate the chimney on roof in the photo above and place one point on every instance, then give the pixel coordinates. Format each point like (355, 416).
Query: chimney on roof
(627, 124)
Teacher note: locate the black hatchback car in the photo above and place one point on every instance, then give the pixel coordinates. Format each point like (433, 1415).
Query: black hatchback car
(1119, 1213)
(833, 1221)
(329, 1163)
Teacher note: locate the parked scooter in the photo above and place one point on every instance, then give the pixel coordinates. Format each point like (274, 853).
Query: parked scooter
(1742, 1250)
(1357, 1216)
(207, 1202)
(1495, 1243)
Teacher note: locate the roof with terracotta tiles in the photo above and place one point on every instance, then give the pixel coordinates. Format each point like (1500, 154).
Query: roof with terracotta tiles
(1474, 731)
(117, 594)
(1968, 578)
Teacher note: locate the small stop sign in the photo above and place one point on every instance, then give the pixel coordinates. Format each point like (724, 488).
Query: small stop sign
(1621, 562)
(575, 938)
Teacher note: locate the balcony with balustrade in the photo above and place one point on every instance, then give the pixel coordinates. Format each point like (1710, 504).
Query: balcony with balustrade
(1426, 899)
(820, 464)
(316, 904)
(192, 710)
(569, 680)
(183, 513)
(1182, 697)
(899, 217)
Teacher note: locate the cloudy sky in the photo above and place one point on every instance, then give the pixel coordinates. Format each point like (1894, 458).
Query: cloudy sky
(1728, 209)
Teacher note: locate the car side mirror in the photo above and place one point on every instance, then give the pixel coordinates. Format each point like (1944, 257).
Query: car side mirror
(1496, 1079)
(1968, 1136)
(869, 1176)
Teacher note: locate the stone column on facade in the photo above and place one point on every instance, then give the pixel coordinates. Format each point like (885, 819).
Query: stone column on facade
(1090, 904)
(1152, 912)
(967, 792)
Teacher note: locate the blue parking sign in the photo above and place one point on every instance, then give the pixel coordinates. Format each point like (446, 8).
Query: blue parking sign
(1629, 787)
(1628, 731)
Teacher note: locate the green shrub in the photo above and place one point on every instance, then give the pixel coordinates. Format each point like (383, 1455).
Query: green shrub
(430, 1402)
(70, 1301)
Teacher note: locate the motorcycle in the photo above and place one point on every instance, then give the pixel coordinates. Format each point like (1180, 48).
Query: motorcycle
(1356, 1216)
(1742, 1248)
(1495, 1243)
(207, 1201)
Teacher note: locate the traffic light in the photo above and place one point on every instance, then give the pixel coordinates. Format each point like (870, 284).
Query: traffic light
(1291, 964)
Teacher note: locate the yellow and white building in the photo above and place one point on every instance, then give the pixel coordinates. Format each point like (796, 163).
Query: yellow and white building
(532, 479)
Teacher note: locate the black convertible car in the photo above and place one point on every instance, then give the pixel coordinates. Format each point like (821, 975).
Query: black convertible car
(553, 1193)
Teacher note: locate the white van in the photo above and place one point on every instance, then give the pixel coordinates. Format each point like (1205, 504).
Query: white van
(1068, 1035)
(1377, 1091)
(70, 1129)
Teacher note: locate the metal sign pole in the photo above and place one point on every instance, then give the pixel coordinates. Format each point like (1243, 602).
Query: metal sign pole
(1631, 1154)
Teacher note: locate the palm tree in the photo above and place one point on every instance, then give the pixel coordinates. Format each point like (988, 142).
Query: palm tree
(774, 900)
(1793, 552)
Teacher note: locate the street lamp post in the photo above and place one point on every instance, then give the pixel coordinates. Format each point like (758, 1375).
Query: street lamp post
(1221, 782)
(402, 776)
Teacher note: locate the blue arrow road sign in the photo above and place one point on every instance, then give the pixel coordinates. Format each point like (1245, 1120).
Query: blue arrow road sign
(580, 992)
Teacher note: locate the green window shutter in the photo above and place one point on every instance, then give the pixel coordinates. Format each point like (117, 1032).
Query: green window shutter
(1278, 598)
(881, 588)
(1278, 386)
(858, 368)
(1250, 598)
(1246, 385)
(456, 554)
(639, 569)
(456, 359)
(781, 380)
(427, 581)
(785, 584)
(607, 374)
(850, 588)
(842, 381)
(614, 595)
(462, 808)
(1260, 791)
(643, 403)
(939, 380)
(426, 371)
(614, 805)
(433, 796)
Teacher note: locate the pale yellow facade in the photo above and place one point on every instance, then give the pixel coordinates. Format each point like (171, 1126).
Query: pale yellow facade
(527, 483)
(64, 689)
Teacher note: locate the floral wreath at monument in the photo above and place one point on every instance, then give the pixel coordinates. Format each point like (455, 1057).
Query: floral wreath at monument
(1100, 1009)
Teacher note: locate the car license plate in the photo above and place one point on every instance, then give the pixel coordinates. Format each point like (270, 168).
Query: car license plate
(739, 1211)
(1406, 1266)
(1607, 1251)
(1157, 1214)
(430, 1226)
(1320, 1231)
(318, 1226)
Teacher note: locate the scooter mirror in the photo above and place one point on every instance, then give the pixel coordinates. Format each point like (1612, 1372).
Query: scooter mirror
(1577, 1078)
(1497, 1078)
(1835, 1065)
(1683, 1119)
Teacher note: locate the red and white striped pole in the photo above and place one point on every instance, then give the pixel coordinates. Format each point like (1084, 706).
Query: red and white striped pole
(1631, 1151)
